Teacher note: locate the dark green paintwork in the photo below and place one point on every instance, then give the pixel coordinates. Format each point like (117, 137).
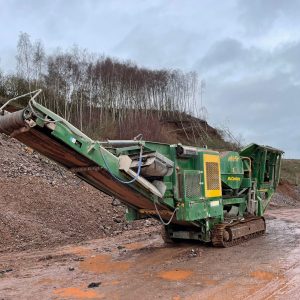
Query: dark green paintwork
(232, 171)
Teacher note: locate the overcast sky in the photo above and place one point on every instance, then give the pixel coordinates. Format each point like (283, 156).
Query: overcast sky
(248, 52)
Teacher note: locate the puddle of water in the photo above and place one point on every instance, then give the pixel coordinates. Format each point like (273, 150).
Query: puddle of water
(174, 275)
(77, 293)
(263, 275)
(134, 246)
(103, 264)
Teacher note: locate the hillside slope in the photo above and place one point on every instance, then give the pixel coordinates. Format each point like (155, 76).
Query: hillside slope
(290, 170)
(167, 127)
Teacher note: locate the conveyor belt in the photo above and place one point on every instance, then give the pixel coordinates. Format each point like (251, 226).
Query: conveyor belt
(69, 158)
(41, 140)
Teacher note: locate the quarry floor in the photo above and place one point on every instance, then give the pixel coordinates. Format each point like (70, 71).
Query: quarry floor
(138, 265)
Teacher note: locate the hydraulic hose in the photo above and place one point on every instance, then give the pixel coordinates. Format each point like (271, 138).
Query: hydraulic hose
(161, 219)
(118, 179)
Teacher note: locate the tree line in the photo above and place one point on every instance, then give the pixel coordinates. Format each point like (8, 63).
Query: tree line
(109, 98)
(96, 92)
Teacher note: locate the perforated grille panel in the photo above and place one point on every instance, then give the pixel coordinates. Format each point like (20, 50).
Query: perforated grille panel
(192, 185)
(212, 174)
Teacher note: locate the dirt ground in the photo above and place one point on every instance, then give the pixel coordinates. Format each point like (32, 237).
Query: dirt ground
(58, 235)
(138, 265)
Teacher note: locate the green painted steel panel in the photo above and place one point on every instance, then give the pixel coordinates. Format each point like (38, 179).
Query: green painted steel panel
(232, 171)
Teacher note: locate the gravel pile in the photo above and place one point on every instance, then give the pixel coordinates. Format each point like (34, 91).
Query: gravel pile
(43, 205)
(18, 160)
(287, 195)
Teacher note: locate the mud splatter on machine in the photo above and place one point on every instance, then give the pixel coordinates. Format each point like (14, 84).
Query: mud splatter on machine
(199, 194)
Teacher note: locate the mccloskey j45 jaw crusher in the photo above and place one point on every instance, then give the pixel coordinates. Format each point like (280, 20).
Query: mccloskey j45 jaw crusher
(198, 194)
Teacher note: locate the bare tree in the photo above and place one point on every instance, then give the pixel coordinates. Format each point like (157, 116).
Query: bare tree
(102, 94)
(24, 58)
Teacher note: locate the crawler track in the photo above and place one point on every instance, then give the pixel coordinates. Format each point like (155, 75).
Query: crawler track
(231, 234)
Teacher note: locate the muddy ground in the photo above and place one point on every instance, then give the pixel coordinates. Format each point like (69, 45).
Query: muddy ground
(58, 235)
(138, 265)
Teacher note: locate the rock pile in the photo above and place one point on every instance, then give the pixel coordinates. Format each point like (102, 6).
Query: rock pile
(42, 204)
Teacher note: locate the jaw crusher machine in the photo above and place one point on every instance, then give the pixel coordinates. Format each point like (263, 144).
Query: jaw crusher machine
(199, 194)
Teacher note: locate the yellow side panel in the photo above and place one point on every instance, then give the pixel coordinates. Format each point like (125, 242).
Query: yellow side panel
(212, 175)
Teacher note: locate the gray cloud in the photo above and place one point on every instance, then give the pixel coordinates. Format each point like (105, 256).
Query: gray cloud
(260, 16)
(160, 47)
(223, 52)
(257, 91)
(247, 51)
